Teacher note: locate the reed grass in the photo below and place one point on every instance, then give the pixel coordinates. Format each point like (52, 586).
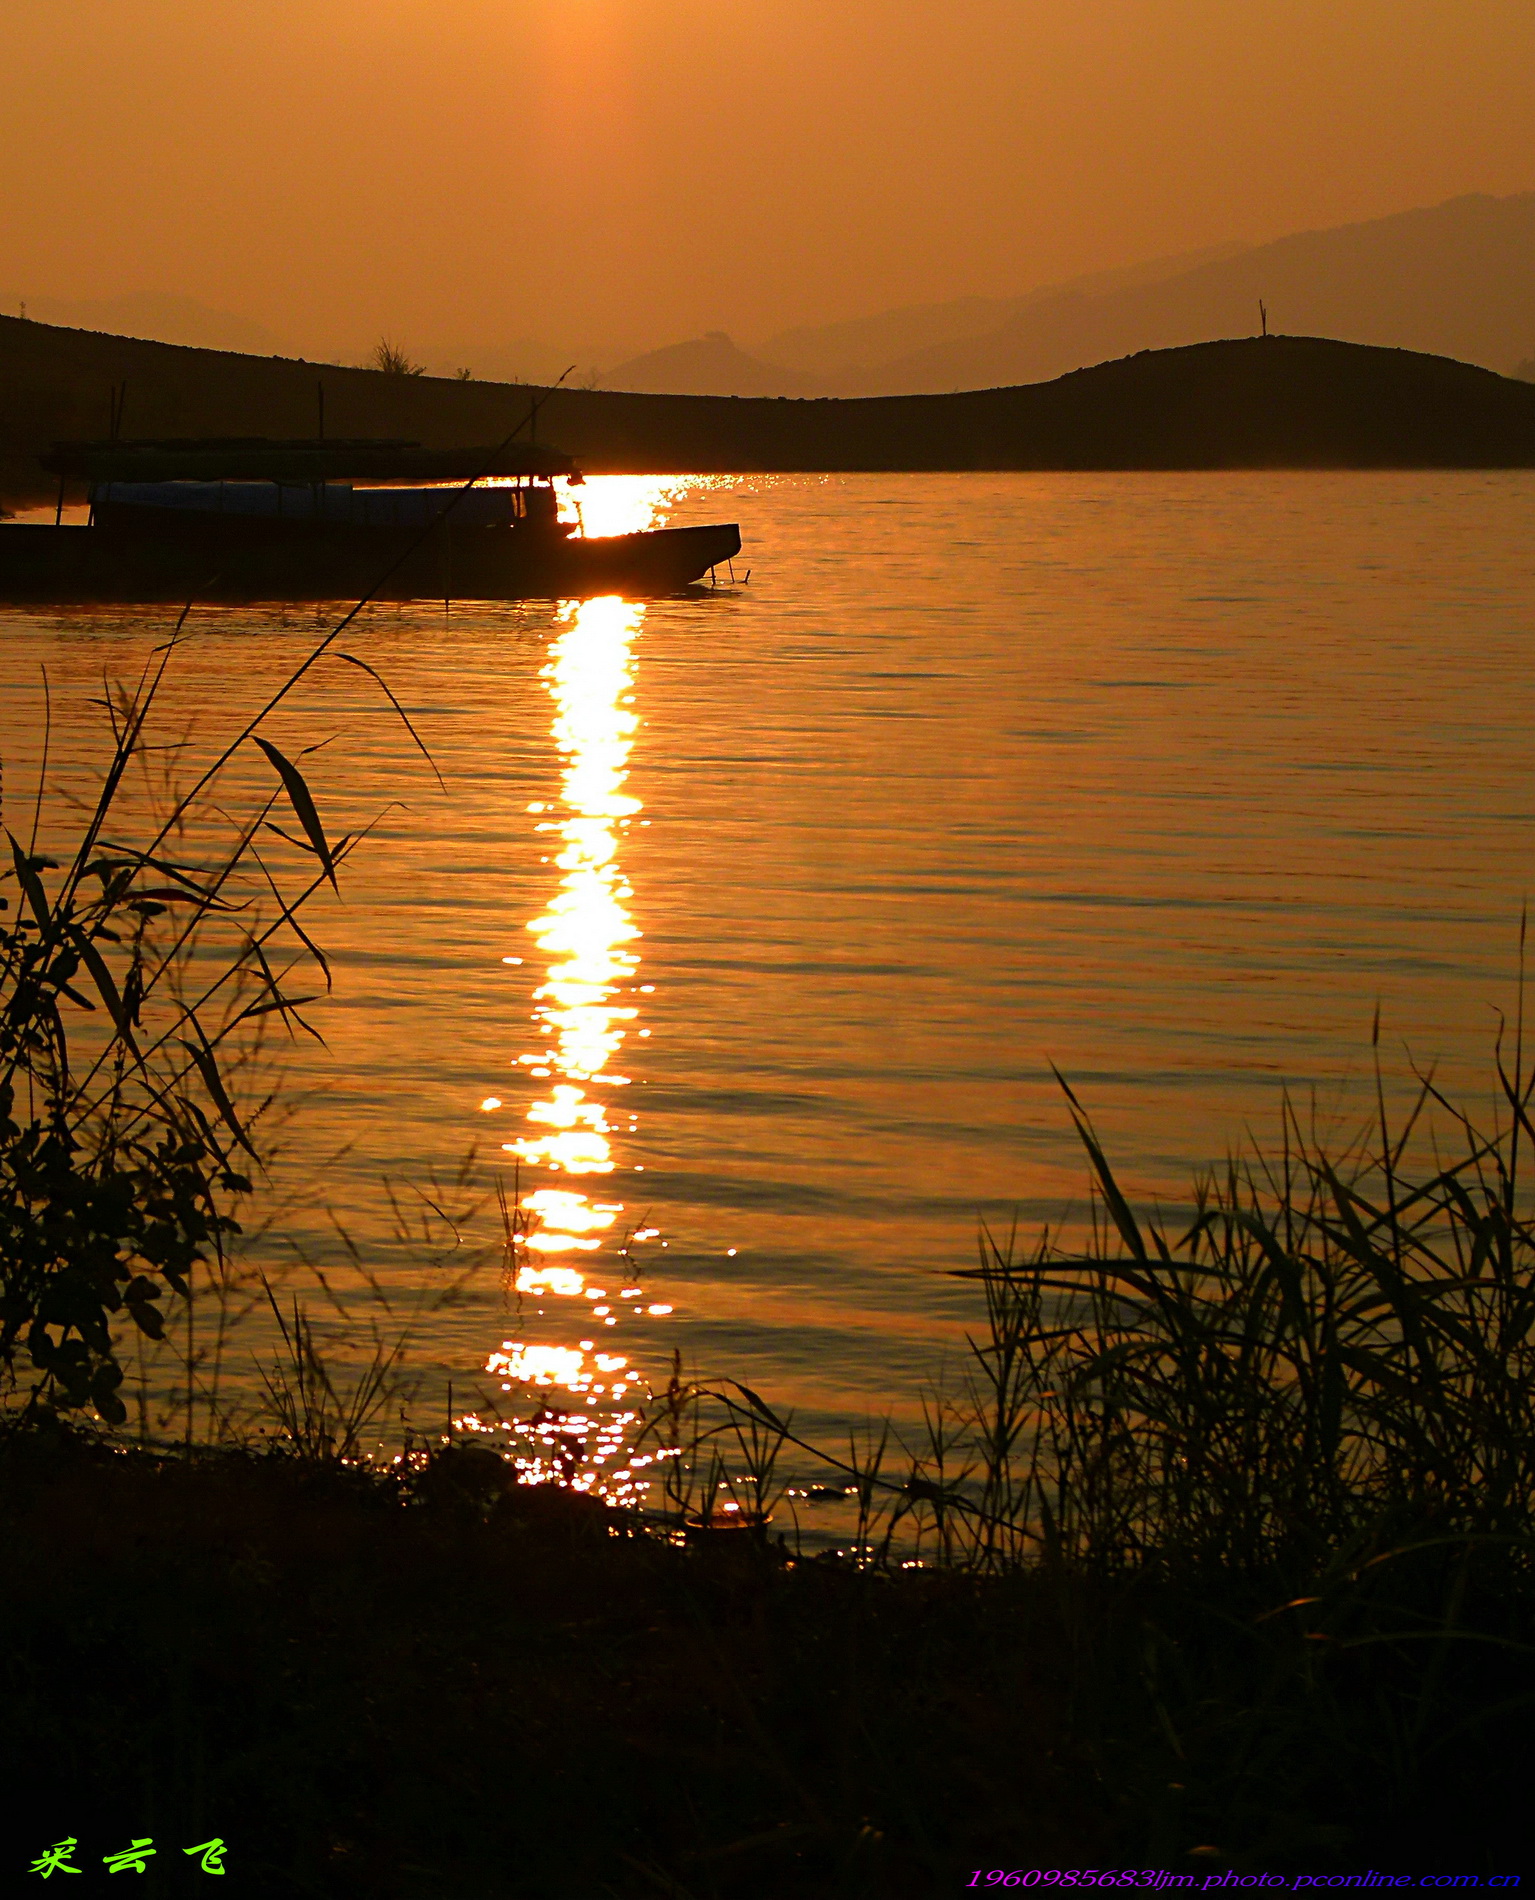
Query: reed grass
(142, 973)
(1332, 1348)
(1271, 1463)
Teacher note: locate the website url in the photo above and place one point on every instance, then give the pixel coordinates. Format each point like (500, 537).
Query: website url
(1155, 1879)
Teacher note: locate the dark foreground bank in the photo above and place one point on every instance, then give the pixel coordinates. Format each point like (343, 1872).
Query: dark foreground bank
(365, 1685)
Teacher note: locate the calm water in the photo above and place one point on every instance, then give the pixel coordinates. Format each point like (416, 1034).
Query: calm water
(1166, 779)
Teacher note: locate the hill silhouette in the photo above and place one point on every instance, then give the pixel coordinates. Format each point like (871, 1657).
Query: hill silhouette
(1285, 402)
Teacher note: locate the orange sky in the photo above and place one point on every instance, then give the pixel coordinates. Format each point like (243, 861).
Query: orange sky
(617, 174)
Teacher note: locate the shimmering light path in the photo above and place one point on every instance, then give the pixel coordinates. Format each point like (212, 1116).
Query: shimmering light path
(582, 1008)
(584, 1011)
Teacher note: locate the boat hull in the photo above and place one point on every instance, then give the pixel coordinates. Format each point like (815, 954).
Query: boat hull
(66, 565)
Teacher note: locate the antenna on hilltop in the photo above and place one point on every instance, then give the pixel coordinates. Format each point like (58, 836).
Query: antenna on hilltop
(1263, 316)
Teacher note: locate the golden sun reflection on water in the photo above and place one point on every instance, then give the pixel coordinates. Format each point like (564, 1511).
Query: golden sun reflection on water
(572, 1229)
(582, 1013)
(585, 928)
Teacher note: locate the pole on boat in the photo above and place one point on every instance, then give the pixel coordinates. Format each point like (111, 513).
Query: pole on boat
(319, 486)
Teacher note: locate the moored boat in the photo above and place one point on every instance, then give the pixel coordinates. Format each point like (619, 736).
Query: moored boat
(254, 519)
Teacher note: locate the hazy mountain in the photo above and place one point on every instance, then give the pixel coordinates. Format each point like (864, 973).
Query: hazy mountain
(862, 343)
(1455, 280)
(839, 358)
(710, 365)
(157, 316)
(524, 360)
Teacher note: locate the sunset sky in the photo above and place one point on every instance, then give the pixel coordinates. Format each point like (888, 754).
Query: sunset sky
(616, 174)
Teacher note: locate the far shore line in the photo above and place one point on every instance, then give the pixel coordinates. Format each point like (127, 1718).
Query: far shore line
(1246, 403)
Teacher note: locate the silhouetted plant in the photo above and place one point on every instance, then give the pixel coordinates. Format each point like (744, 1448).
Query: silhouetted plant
(391, 359)
(316, 1419)
(135, 982)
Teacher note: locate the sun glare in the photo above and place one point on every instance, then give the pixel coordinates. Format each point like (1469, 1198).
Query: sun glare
(627, 504)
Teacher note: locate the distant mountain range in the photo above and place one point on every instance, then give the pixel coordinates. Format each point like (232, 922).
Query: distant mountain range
(866, 343)
(838, 358)
(1456, 279)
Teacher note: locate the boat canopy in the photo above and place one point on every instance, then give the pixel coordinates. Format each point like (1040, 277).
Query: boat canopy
(393, 507)
(261, 459)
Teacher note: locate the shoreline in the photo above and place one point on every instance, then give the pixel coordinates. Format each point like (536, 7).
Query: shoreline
(1275, 402)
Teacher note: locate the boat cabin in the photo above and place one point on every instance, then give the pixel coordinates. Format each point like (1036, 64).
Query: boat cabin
(246, 485)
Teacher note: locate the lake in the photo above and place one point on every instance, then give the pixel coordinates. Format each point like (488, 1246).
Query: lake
(759, 918)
